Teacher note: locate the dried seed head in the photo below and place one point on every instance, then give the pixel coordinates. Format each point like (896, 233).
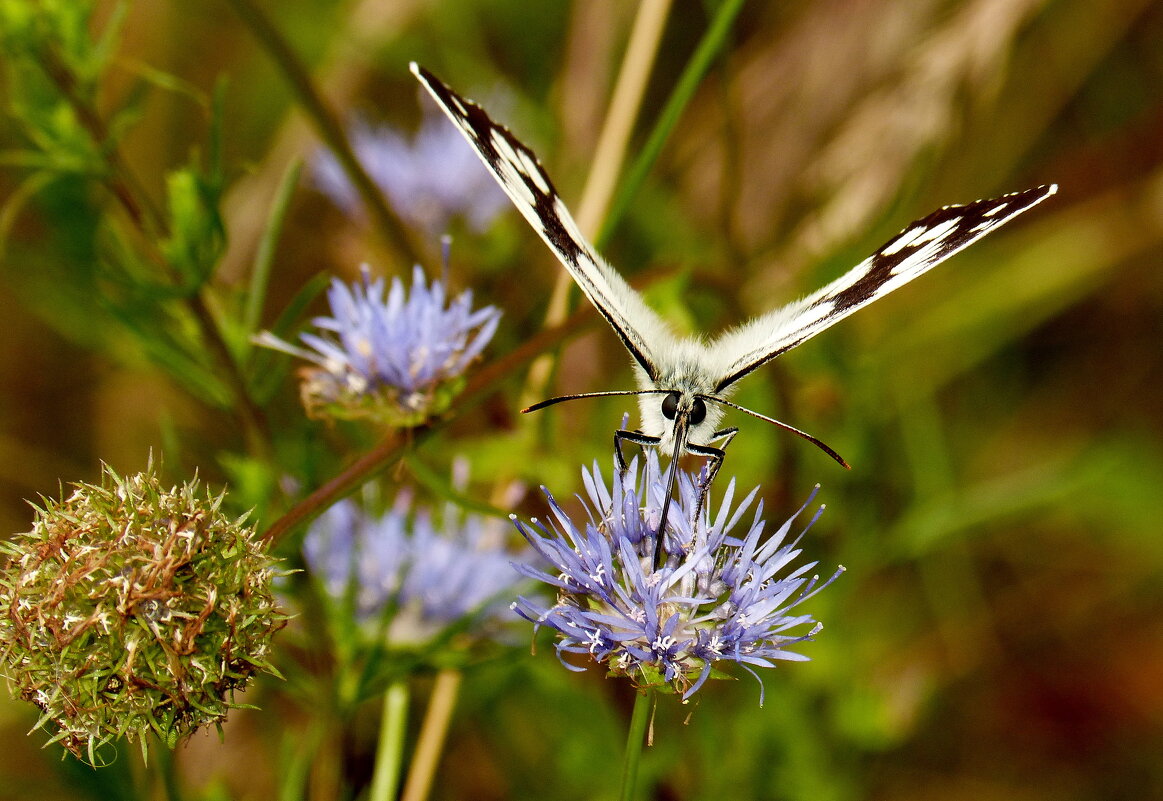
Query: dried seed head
(129, 608)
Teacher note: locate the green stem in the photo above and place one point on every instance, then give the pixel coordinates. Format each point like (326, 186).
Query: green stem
(326, 125)
(710, 45)
(254, 424)
(301, 753)
(635, 739)
(389, 752)
(167, 770)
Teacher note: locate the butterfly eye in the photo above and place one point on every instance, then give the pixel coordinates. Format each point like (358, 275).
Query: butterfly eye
(698, 412)
(670, 406)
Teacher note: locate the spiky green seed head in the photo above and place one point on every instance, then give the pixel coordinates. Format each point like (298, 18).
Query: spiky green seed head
(130, 608)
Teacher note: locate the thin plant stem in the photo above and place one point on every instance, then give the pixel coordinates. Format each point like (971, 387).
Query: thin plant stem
(168, 773)
(301, 750)
(253, 419)
(635, 740)
(610, 153)
(426, 757)
(609, 156)
(326, 125)
(390, 749)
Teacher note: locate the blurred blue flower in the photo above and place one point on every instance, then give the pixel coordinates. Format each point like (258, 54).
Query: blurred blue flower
(429, 179)
(396, 359)
(349, 551)
(716, 599)
(427, 576)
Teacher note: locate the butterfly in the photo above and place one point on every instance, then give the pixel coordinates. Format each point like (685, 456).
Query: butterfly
(684, 384)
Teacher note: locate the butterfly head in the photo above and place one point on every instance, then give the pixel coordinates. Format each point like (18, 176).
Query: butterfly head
(679, 407)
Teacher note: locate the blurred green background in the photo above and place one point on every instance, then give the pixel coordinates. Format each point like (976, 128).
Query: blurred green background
(998, 632)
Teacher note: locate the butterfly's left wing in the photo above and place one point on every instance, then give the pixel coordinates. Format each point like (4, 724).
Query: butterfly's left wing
(517, 170)
(914, 251)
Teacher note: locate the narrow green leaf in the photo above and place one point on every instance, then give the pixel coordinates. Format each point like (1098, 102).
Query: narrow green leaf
(260, 276)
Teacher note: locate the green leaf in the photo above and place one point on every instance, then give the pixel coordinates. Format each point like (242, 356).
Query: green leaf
(197, 235)
(264, 259)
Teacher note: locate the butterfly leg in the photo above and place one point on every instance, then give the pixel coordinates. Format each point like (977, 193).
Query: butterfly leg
(636, 437)
(715, 457)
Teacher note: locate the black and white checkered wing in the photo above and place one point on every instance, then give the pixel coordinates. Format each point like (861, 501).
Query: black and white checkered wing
(524, 180)
(914, 251)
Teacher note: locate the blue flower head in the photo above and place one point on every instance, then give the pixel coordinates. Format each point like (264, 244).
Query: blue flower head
(718, 598)
(395, 358)
(426, 575)
(429, 179)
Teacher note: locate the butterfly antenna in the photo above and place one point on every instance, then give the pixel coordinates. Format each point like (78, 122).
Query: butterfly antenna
(791, 429)
(563, 398)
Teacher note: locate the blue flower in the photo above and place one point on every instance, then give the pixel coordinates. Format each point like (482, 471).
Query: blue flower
(349, 551)
(396, 359)
(717, 598)
(429, 180)
(426, 576)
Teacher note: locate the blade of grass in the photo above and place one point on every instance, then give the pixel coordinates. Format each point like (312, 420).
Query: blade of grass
(708, 48)
(430, 744)
(260, 276)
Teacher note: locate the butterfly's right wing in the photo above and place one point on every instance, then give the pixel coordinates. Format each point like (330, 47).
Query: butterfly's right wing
(519, 173)
(911, 253)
